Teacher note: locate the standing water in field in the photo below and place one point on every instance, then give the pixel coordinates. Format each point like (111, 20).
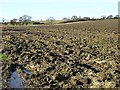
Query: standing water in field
(15, 80)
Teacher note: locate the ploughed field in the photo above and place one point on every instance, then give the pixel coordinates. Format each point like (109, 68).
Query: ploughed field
(77, 55)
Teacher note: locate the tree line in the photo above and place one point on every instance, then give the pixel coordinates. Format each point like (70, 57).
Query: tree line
(26, 19)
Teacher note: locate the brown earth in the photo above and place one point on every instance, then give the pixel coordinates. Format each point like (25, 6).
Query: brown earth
(78, 55)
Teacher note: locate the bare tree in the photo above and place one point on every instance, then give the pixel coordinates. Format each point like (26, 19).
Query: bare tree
(110, 17)
(3, 20)
(74, 17)
(25, 19)
(50, 20)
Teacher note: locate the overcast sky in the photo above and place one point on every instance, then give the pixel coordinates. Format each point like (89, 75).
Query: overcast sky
(43, 9)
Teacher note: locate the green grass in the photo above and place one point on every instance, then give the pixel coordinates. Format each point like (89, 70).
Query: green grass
(3, 57)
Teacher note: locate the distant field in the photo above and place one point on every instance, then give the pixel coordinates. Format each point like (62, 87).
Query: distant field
(77, 55)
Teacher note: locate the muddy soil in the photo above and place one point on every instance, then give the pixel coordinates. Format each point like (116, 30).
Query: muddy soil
(79, 55)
